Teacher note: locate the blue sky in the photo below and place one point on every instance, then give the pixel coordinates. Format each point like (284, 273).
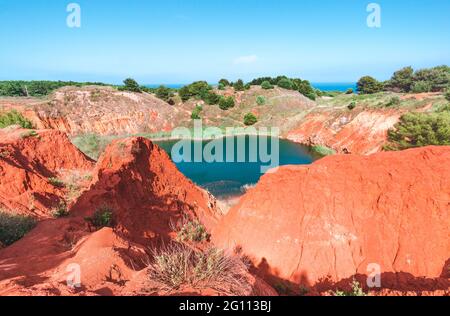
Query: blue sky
(178, 41)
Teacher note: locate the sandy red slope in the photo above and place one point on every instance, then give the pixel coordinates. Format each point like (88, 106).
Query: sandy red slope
(146, 193)
(325, 223)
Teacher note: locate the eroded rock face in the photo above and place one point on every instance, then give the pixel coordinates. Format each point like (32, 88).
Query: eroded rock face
(325, 223)
(28, 162)
(137, 180)
(363, 132)
(104, 111)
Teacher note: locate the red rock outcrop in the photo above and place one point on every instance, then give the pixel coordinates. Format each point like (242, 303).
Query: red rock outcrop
(145, 192)
(323, 224)
(28, 159)
(363, 132)
(137, 180)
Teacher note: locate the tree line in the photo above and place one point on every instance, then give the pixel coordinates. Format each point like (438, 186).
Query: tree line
(21, 88)
(407, 80)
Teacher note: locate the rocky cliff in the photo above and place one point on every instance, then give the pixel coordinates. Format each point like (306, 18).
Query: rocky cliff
(324, 224)
(359, 132)
(103, 111)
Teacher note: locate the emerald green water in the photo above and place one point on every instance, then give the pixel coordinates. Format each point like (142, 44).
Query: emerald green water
(226, 179)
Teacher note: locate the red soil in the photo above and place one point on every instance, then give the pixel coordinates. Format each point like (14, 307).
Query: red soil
(28, 161)
(145, 192)
(322, 225)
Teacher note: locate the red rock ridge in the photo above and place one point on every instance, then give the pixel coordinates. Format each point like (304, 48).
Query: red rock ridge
(325, 223)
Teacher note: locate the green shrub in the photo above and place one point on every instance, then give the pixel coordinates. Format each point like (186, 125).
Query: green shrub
(394, 101)
(210, 98)
(421, 86)
(14, 118)
(103, 217)
(250, 119)
(286, 83)
(260, 100)
(91, 145)
(56, 182)
(447, 94)
(349, 91)
(29, 134)
(420, 129)
(322, 151)
(266, 85)
(352, 105)
(164, 93)
(402, 79)
(14, 227)
(196, 113)
(131, 85)
(226, 103)
(356, 290)
(445, 108)
(192, 231)
(221, 86)
(184, 93)
(424, 80)
(61, 211)
(369, 85)
(305, 88)
(224, 82)
(239, 85)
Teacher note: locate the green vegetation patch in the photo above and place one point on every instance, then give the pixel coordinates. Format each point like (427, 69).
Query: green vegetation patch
(56, 182)
(29, 134)
(61, 210)
(226, 103)
(14, 227)
(192, 231)
(357, 290)
(420, 129)
(250, 119)
(14, 118)
(261, 100)
(38, 88)
(196, 112)
(322, 151)
(102, 217)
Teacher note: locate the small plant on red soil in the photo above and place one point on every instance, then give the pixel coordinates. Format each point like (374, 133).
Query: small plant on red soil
(191, 231)
(14, 227)
(357, 290)
(56, 182)
(103, 217)
(177, 265)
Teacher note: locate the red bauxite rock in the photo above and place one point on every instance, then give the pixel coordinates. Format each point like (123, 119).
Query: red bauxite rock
(330, 220)
(28, 160)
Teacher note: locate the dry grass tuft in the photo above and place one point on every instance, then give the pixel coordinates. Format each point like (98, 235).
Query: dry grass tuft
(176, 265)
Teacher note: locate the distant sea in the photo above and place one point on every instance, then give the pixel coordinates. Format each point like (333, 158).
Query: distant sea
(334, 86)
(327, 86)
